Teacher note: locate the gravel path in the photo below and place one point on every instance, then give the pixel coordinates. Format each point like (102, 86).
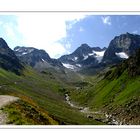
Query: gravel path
(4, 100)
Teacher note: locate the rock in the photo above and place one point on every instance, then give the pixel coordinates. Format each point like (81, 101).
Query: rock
(100, 120)
(126, 43)
(38, 59)
(8, 59)
(84, 56)
(90, 116)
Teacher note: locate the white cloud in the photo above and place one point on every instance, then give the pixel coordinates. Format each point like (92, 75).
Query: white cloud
(106, 20)
(9, 30)
(68, 45)
(70, 24)
(44, 30)
(1, 23)
(81, 29)
(56, 49)
(135, 32)
(9, 33)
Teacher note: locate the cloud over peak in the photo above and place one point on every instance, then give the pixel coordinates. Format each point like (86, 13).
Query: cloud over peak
(45, 30)
(106, 20)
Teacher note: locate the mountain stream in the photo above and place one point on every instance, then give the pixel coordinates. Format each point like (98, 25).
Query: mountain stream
(97, 115)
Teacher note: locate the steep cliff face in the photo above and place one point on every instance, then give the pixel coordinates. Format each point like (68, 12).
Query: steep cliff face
(131, 66)
(8, 59)
(121, 47)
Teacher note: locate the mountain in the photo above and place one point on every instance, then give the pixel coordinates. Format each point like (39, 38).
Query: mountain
(86, 59)
(131, 65)
(121, 47)
(8, 59)
(83, 56)
(112, 96)
(115, 93)
(38, 59)
(124, 95)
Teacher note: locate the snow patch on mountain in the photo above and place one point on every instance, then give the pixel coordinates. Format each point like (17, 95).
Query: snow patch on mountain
(85, 57)
(78, 65)
(43, 60)
(69, 66)
(90, 54)
(18, 49)
(122, 55)
(23, 51)
(30, 50)
(99, 55)
(74, 59)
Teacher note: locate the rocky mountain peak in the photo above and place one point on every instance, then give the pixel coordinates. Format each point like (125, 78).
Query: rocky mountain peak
(83, 49)
(84, 45)
(8, 59)
(19, 51)
(121, 47)
(38, 59)
(83, 56)
(3, 43)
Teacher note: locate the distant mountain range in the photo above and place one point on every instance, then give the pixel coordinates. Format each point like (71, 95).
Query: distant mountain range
(84, 57)
(54, 91)
(38, 59)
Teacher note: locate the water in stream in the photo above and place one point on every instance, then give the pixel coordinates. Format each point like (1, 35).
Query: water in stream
(104, 117)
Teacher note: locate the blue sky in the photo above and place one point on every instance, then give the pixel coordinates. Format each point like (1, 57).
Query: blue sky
(100, 30)
(62, 33)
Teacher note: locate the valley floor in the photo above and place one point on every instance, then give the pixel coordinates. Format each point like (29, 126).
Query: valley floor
(51, 98)
(41, 100)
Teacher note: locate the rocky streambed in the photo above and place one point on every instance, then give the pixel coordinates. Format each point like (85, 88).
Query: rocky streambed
(97, 115)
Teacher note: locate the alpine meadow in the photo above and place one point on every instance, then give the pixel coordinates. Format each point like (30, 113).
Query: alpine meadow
(70, 69)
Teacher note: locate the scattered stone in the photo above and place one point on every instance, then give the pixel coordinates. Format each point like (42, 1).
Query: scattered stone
(89, 116)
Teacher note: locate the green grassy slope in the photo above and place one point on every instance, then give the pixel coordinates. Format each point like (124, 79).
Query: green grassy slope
(117, 93)
(41, 91)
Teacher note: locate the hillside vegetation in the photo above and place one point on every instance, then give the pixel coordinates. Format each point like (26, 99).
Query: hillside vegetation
(42, 100)
(115, 92)
(102, 87)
